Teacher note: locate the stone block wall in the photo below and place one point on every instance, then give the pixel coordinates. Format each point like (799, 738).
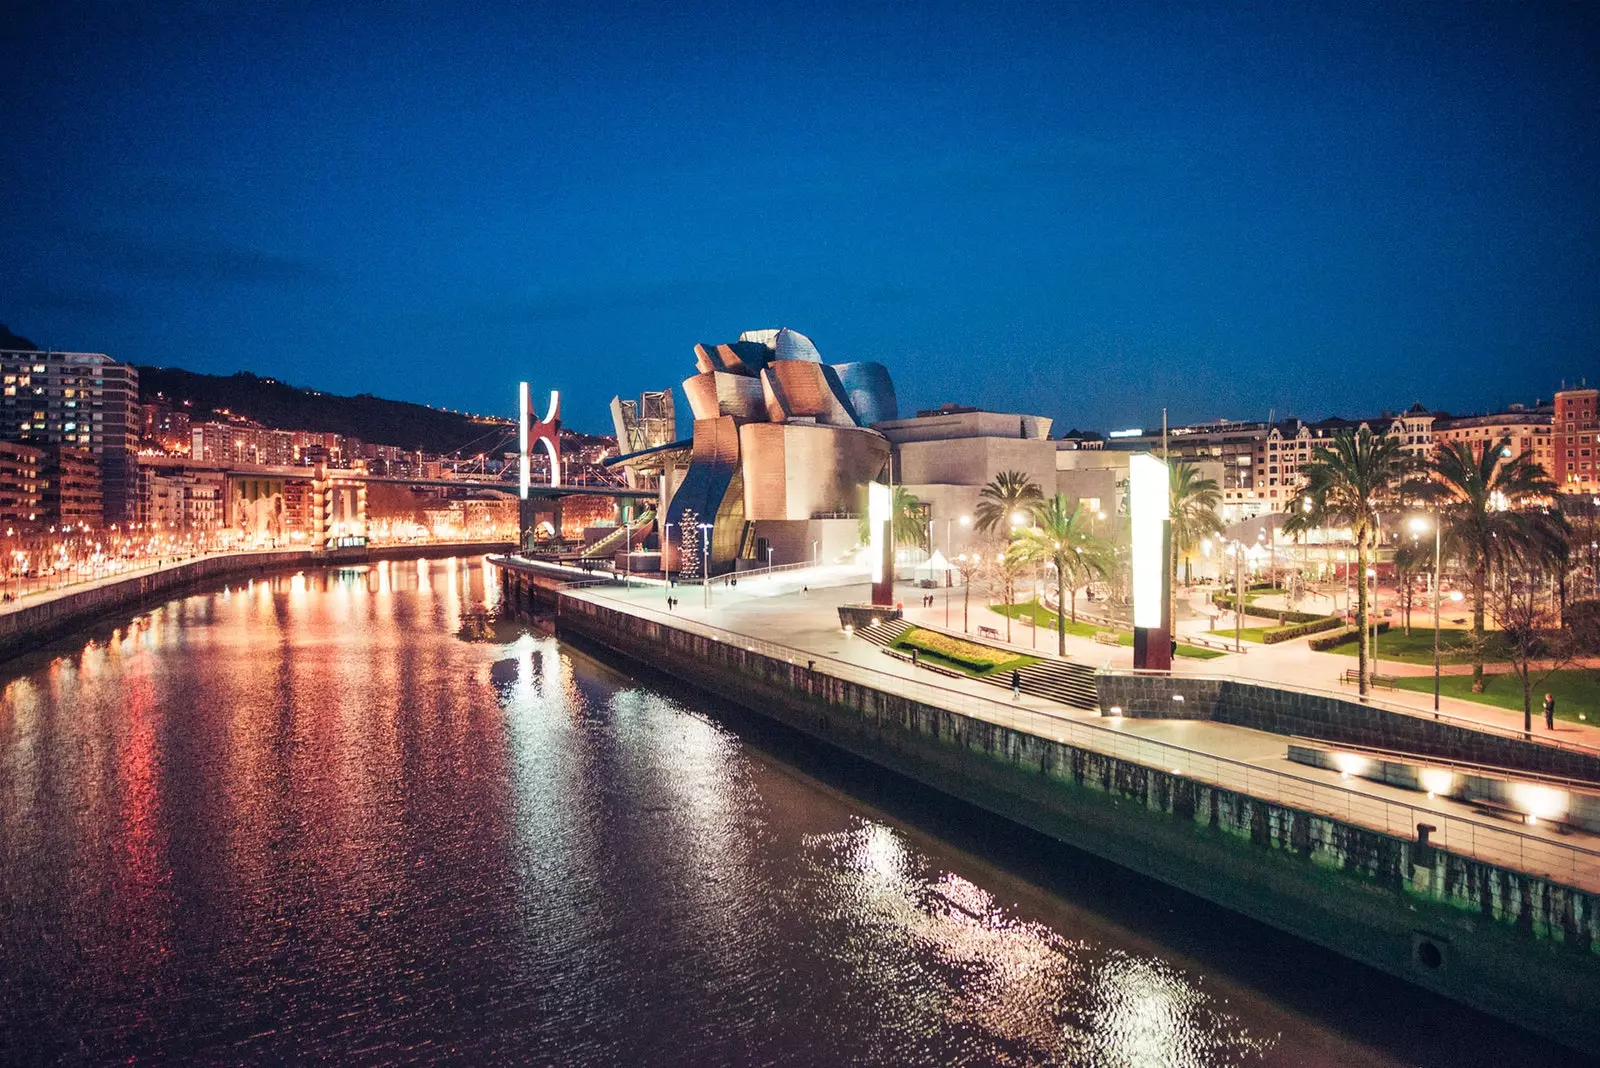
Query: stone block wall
(1311, 715)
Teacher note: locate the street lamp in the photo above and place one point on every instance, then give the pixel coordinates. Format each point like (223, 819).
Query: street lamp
(1419, 524)
(705, 561)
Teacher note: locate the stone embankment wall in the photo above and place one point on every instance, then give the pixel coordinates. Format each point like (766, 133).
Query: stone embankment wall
(1519, 946)
(1312, 715)
(30, 626)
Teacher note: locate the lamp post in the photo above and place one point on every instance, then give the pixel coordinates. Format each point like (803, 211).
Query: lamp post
(1238, 597)
(1418, 525)
(705, 561)
(769, 561)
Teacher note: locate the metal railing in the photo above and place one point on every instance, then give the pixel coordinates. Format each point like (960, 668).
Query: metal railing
(1344, 696)
(1463, 835)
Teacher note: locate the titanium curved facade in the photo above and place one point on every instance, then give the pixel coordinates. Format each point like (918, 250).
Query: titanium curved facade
(793, 345)
(796, 388)
(869, 392)
(780, 439)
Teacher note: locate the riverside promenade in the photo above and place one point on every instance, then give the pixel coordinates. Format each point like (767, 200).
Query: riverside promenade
(786, 615)
(1500, 913)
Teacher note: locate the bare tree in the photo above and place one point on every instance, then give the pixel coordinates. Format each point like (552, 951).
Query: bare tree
(1530, 626)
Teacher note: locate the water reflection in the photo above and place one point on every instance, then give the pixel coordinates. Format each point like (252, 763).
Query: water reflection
(301, 820)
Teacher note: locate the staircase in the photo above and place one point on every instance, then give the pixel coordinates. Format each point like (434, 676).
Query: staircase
(1055, 680)
(884, 633)
(619, 537)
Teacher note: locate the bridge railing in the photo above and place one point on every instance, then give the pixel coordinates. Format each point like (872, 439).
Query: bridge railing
(1456, 830)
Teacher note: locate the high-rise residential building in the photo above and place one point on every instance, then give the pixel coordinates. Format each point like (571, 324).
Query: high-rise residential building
(20, 507)
(70, 488)
(77, 400)
(1576, 441)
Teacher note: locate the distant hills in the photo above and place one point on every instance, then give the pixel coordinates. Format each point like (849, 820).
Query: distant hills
(284, 407)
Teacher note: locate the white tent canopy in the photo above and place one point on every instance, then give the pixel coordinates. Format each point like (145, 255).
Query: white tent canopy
(933, 566)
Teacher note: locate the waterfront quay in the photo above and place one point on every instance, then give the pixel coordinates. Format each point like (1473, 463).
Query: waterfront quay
(1495, 913)
(29, 622)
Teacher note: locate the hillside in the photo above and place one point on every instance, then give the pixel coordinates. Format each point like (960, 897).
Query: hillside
(372, 419)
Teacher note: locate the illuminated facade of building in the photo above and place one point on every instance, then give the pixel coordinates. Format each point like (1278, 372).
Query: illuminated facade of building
(20, 504)
(1576, 441)
(70, 488)
(781, 450)
(79, 400)
(1527, 429)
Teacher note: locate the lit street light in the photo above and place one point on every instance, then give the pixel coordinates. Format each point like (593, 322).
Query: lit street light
(1418, 525)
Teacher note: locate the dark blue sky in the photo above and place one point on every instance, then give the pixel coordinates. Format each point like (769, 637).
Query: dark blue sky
(1087, 212)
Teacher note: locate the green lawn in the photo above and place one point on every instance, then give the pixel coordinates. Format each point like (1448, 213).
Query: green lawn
(1045, 620)
(1577, 692)
(1249, 634)
(1417, 647)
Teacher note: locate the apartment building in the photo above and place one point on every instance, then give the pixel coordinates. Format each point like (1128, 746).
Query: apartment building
(1575, 441)
(77, 400)
(20, 505)
(70, 488)
(1528, 430)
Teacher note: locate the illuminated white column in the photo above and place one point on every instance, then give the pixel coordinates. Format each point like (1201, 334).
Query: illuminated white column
(524, 471)
(1149, 502)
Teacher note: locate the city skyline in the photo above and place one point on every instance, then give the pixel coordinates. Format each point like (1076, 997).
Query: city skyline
(1230, 211)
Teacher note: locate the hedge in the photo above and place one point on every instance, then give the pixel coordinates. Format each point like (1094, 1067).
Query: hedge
(1339, 637)
(1222, 600)
(962, 652)
(1274, 635)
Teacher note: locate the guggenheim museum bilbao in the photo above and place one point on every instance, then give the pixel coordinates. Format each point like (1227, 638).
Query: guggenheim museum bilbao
(785, 444)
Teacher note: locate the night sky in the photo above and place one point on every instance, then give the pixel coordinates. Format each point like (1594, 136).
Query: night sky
(1085, 212)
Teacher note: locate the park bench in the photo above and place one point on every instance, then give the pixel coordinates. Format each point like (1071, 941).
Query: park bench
(1352, 676)
(989, 632)
(1491, 807)
(1107, 637)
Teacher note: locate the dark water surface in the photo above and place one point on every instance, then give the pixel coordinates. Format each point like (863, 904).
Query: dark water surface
(302, 821)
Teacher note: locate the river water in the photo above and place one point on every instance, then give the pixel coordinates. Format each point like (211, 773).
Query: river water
(304, 820)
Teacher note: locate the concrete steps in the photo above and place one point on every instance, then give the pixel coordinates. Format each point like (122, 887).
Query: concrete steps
(1054, 680)
(884, 633)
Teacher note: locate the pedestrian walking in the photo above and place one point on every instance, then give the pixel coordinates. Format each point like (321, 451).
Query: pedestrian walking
(1016, 685)
(1549, 712)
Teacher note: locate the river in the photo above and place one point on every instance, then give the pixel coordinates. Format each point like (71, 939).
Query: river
(304, 819)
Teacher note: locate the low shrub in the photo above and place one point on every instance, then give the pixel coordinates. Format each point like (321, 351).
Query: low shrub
(1274, 635)
(1227, 601)
(1339, 637)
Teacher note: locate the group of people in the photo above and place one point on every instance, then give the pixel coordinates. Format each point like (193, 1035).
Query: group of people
(927, 600)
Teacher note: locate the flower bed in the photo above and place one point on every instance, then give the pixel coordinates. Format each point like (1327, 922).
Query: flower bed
(971, 654)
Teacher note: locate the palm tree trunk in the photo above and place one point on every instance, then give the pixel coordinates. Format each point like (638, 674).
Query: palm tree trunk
(1479, 593)
(1061, 618)
(1362, 649)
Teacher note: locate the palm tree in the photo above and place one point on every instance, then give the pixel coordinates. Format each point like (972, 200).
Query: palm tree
(1009, 494)
(1484, 497)
(910, 525)
(1061, 535)
(1194, 513)
(1348, 481)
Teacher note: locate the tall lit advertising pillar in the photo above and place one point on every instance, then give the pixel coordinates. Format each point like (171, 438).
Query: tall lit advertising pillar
(1149, 503)
(880, 518)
